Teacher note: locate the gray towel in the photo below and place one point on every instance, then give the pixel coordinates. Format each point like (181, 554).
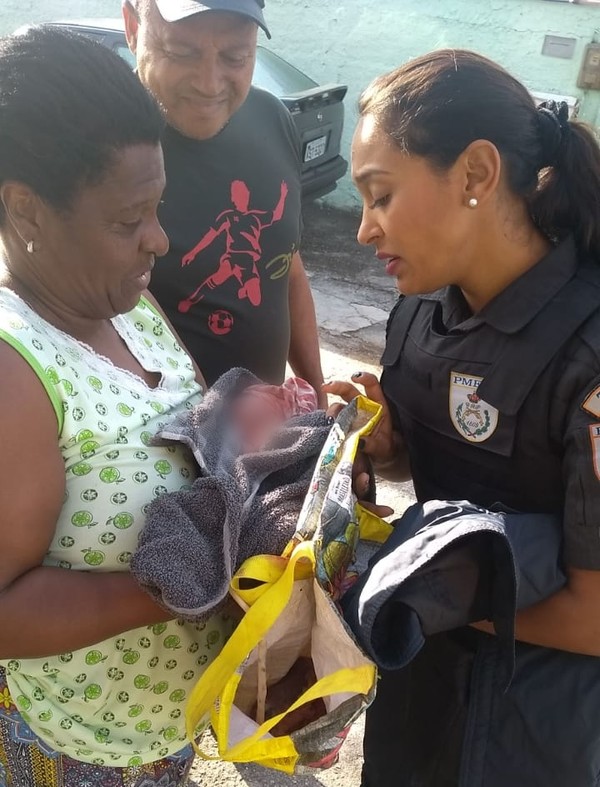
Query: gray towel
(193, 541)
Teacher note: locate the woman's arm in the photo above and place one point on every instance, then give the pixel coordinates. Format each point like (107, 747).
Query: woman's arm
(46, 610)
(52, 610)
(568, 620)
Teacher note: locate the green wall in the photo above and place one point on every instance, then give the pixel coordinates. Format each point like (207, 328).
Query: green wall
(352, 41)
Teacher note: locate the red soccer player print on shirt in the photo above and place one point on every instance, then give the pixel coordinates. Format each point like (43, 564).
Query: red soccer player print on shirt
(242, 228)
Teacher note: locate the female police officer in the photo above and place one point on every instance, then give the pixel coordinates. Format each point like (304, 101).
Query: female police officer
(486, 211)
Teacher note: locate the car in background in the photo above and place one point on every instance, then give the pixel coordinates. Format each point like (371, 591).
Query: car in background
(317, 110)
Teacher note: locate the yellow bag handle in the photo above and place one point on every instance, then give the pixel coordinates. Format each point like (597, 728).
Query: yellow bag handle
(221, 677)
(255, 624)
(360, 678)
(266, 570)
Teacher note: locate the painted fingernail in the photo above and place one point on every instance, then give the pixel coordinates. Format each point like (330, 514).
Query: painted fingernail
(357, 374)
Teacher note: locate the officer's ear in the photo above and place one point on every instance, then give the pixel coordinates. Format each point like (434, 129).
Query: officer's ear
(131, 18)
(482, 167)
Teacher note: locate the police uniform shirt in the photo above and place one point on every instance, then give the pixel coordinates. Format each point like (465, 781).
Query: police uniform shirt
(502, 408)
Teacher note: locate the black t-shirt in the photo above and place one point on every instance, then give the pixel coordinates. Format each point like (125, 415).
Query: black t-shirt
(231, 210)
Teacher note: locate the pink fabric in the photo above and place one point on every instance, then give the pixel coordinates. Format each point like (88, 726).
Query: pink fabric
(261, 409)
(294, 397)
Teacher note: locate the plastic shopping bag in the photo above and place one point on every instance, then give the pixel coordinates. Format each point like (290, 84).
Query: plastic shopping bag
(291, 680)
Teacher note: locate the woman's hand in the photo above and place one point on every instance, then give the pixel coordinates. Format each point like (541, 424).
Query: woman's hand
(383, 445)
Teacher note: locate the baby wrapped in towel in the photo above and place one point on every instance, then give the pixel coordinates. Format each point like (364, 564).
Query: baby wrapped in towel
(256, 446)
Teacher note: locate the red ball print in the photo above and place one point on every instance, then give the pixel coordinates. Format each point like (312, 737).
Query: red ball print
(220, 322)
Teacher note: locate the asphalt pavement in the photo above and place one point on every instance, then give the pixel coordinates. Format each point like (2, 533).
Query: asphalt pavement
(353, 298)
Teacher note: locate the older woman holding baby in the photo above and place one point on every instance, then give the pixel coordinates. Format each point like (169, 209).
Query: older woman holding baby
(94, 675)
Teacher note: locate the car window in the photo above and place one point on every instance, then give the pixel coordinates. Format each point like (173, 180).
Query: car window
(123, 51)
(276, 75)
(99, 37)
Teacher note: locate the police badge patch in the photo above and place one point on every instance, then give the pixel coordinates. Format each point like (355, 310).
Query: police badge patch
(473, 419)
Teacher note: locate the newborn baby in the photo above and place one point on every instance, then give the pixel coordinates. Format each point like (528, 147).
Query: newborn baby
(261, 409)
(257, 446)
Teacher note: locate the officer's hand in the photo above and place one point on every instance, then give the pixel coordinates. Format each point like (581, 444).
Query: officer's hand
(382, 444)
(361, 486)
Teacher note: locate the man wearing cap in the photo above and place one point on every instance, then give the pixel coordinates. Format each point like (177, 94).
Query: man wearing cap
(232, 283)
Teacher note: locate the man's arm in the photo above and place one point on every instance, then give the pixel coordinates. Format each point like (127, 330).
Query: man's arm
(304, 357)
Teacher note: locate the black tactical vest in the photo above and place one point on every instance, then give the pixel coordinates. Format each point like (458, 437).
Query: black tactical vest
(473, 407)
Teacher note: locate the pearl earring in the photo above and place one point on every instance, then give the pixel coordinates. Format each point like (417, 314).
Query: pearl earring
(31, 247)
(473, 202)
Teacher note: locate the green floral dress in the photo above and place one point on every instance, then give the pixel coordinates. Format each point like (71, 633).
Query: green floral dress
(121, 702)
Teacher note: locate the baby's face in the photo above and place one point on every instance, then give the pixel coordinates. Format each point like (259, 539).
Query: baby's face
(256, 420)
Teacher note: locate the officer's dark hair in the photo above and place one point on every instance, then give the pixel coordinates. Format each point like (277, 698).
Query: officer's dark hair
(436, 105)
(67, 106)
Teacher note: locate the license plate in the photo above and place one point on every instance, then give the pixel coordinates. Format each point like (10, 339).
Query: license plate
(315, 148)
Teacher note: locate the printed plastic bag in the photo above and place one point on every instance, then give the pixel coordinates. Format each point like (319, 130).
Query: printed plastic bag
(291, 680)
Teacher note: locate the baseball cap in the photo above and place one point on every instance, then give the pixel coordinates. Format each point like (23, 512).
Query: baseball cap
(174, 10)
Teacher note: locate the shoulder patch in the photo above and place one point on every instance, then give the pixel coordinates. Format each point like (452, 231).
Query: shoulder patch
(594, 430)
(591, 404)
